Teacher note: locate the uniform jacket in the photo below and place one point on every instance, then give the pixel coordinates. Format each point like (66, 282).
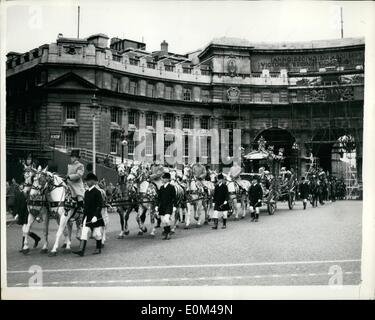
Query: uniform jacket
(199, 171)
(255, 194)
(166, 199)
(304, 190)
(76, 171)
(221, 194)
(20, 207)
(93, 207)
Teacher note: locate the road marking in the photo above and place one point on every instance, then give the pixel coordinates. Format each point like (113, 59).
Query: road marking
(216, 278)
(229, 265)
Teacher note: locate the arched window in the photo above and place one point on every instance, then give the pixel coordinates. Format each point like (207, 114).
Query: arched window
(187, 95)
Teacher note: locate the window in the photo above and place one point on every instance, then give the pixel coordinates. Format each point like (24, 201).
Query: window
(186, 122)
(133, 61)
(169, 93)
(205, 123)
(187, 95)
(284, 96)
(168, 141)
(186, 70)
(149, 144)
(168, 67)
(70, 138)
(150, 90)
(115, 115)
(71, 112)
(113, 142)
(208, 147)
(186, 145)
(115, 84)
(150, 120)
(257, 97)
(133, 117)
(168, 121)
(203, 146)
(205, 95)
(131, 146)
(266, 95)
(133, 87)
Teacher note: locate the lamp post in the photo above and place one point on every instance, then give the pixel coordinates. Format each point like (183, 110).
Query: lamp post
(123, 144)
(95, 111)
(295, 148)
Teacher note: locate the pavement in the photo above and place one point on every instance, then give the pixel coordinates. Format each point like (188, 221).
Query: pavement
(315, 246)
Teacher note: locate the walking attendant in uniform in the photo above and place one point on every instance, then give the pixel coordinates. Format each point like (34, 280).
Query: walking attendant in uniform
(220, 202)
(92, 217)
(166, 204)
(255, 197)
(304, 191)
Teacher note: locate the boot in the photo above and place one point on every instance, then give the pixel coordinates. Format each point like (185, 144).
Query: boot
(158, 223)
(165, 233)
(304, 205)
(252, 217)
(98, 247)
(256, 217)
(82, 247)
(169, 233)
(23, 241)
(216, 222)
(35, 237)
(224, 224)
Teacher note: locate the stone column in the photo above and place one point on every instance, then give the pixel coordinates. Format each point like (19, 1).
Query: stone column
(215, 143)
(140, 150)
(160, 136)
(104, 142)
(142, 84)
(178, 140)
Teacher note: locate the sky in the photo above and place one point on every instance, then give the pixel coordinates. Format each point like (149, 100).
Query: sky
(185, 25)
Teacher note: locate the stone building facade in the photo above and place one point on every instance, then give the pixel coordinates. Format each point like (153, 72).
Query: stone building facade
(299, 96)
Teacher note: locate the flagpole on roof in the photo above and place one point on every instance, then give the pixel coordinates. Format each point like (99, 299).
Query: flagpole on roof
(78, 22)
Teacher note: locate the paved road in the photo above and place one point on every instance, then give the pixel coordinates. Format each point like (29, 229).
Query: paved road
(298, 247)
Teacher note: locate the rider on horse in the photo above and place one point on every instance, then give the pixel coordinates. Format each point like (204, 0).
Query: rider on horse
(199, 173)
(74, 181)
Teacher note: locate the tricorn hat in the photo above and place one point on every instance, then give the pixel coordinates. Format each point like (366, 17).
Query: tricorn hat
(166, 175)
(75, 153)
(91, 176)
(220, 176)
(29, 156)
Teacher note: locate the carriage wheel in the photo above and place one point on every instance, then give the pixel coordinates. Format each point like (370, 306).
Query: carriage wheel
(291, 200)
(271, 206)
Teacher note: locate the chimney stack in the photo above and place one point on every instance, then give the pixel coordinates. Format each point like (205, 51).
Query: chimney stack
(164, 46)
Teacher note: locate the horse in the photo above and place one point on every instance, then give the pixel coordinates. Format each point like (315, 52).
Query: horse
(147, 200)
(28, 177)
(125, 192)
(238, 194)
(48, 196)
(195, 194)
(180, 187)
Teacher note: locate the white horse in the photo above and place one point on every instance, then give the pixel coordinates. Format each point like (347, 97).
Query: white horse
(195, 195)
(51, 191)
(238, 194)
(147, 198)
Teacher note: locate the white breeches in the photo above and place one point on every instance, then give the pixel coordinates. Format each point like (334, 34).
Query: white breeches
(166, 220)
(217, 214)
(96, 232)
(257, 209)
